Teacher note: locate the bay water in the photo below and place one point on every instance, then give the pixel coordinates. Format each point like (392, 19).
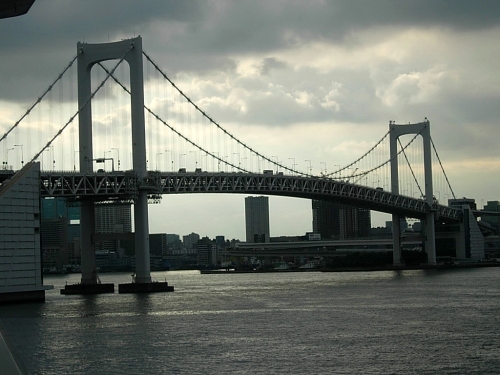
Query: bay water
(384, 322)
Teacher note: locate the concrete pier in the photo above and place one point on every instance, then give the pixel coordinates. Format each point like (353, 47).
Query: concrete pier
(153, 287)
(88, 288)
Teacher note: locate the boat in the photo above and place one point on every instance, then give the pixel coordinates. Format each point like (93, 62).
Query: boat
(308, 265)
(281, 266)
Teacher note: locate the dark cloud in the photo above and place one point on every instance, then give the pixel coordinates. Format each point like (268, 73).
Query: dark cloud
(270, 63)
(199, 35)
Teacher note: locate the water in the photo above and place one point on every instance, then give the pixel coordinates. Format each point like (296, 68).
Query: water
(410, 322)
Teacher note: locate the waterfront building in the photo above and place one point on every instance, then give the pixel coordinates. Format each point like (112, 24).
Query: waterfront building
(20, 251)
(257, 219)
(494, 220)
(190, 241)
(158, 244)
(459, 202)
(207, 252)
(172, 238)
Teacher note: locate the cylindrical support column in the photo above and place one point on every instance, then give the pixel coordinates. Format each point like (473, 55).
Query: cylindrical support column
(142, 266)
(87, 229)
(430, 238)
(396, 219)
(87, 218)
(396, 240)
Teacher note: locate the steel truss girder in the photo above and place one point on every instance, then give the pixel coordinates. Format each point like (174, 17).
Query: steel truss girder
(123, 185)
(98, 185)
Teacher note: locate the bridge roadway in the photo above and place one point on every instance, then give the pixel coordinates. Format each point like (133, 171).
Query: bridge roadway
(125, 186)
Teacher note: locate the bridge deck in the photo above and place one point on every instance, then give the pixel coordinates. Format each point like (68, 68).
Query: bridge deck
(124, 185)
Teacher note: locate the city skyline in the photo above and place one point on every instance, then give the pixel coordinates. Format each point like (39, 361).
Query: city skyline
(315, 84)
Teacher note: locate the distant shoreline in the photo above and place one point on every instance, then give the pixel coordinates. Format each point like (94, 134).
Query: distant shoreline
(361, 269)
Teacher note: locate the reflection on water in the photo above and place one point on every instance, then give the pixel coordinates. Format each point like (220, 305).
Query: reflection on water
(432, 322)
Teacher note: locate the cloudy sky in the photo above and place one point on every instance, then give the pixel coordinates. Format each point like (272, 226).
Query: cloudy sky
(310, 80)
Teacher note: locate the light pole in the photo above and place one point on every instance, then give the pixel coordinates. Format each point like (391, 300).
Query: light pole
(105, 152)
(274, 156)
(117, 155)
(7, 157)
(22, 155)
(47, 149)
(310, 167)
(323, 162)
(293, 165)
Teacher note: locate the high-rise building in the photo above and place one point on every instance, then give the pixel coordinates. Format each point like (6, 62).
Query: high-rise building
(257, 219)
(112, 219)
(326, 219)
(53, 208)
(206, 252)
(158, 244)
(494, 220)
(190, 240)
(340, 221)
(60, 233)
(355, 222)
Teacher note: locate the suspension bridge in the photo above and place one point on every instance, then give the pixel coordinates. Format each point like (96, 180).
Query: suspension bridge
(128, 134)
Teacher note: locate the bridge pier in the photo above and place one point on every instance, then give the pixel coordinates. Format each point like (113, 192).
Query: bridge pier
(430, 238)
(90, 283)
(142, 264)
(87, 227)
(396, 240)
(422, 129)
(88, 55)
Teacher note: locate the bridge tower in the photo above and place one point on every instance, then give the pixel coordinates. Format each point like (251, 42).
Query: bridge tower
(422, 128)
(88, 56)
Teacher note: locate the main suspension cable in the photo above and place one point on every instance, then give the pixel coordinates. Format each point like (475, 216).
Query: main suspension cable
(442, 168)
(40, 98)
(219, 126)
(171, 128)
(49, 143)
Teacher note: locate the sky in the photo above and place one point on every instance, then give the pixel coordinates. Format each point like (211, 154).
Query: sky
(315, 80)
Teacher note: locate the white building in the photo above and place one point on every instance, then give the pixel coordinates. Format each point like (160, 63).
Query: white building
(20, 253)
